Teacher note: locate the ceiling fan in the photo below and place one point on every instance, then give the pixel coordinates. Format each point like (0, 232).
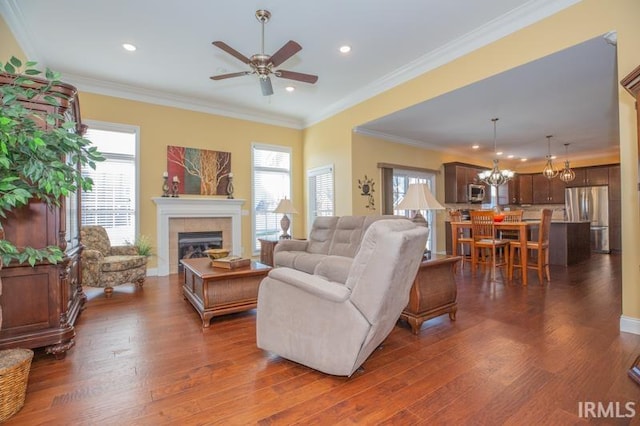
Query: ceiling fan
(264, 65)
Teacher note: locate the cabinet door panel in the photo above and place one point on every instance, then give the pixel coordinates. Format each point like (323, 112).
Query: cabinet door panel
(526, 189)
(556, 191)
(597, 176)
(540, 189)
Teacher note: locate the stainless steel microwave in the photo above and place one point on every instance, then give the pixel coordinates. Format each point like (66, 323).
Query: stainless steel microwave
(475, 193)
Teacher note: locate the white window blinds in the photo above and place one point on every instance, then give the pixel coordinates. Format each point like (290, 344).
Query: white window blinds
(321, 200)
(271, 182)
(111, 202)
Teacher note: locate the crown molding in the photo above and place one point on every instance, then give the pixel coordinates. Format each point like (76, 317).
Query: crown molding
(512, 21)
(107, 88)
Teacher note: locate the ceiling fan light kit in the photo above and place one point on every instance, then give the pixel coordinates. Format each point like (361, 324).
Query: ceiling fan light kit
(264, 65)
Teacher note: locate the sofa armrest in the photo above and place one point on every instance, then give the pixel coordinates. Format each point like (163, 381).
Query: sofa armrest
(329, 290)
(291, 245)
(89, 255)
(123, 251)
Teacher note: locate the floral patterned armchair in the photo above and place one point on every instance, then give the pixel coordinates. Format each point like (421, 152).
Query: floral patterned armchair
(104, 265)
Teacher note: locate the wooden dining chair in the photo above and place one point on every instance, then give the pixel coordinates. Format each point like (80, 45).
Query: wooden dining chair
(486, 246)
(464, 242)
(537, 251)
(511, 216)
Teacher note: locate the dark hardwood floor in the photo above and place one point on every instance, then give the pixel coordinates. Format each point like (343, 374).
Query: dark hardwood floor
(515, 355)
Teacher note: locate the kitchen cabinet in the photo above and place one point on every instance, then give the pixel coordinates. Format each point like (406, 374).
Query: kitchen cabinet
(457, 177)
(590, 176)
(525, 189)
(547, 191)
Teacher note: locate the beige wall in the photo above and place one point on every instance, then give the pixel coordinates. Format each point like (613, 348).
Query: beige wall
(161, 126)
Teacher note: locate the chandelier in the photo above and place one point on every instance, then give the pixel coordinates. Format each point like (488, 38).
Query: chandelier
(495, 177)
(566, 174)
(549, 170)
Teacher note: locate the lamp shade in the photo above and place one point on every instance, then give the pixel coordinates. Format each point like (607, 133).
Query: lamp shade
(419, 197)
(285, 206)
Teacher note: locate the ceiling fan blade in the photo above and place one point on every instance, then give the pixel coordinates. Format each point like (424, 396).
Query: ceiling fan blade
(231, 51)
(285, 52)
(231, 75)
(265, 85)
(292, 75)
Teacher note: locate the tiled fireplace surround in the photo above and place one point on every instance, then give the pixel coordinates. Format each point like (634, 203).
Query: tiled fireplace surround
(191, 214)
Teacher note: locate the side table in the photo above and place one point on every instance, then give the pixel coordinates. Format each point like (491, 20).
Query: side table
(433, 292)
(266, 251)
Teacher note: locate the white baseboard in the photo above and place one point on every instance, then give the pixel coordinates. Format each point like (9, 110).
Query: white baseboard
(152, 272)
(629, 324)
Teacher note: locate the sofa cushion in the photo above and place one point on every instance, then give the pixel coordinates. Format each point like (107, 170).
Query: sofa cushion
(122, 263)
(307, 262)
(321, 234)
(347, 236)
(334, 268)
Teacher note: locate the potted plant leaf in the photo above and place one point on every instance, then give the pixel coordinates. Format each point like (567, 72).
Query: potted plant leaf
(38, 157)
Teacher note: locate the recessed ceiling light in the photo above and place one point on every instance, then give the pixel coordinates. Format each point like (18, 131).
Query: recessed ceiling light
(476, 146)
(523, 159)
(289, 88)
(129, 47)
(499, 153)
(553, 157)
(510, 156)
(345, 49)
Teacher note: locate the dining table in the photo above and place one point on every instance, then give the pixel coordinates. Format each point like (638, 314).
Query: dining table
(521, 227)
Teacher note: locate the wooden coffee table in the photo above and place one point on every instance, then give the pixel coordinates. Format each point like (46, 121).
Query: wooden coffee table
(217, 291)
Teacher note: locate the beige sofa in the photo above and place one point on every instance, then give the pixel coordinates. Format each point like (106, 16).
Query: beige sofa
(333, 243)
(331, 326)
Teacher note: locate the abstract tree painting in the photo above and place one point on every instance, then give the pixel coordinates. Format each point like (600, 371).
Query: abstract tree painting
(199, 171)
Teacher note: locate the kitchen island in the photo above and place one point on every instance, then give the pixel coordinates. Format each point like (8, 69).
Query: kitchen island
(569, 242)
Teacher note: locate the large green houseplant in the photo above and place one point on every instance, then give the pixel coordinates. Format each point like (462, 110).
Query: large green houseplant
(38, 158)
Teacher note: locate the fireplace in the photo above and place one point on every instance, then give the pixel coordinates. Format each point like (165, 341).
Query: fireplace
(194, 244)
(195, 214)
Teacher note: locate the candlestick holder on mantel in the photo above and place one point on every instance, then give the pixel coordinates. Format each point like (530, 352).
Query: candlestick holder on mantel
(230, 186)
(175, 186)
(165, 185)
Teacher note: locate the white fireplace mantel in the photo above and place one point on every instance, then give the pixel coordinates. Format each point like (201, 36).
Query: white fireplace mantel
(196, 207)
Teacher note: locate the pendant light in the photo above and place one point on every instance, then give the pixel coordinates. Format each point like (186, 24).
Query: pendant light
(566, 174)
(495, 177)
(549, 170)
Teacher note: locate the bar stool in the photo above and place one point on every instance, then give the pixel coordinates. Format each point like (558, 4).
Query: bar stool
(541, 261)
(464, 243)
(485, 244)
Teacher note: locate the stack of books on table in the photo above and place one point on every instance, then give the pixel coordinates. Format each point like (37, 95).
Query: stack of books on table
(230, 262)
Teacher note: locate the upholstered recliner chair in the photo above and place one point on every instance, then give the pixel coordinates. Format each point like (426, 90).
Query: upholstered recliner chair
(334, 327)
(104, 265)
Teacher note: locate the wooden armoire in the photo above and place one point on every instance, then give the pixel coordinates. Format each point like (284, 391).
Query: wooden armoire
(40, 304)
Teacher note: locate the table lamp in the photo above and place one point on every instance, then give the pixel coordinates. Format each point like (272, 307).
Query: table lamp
(285, 207)
(419, 197)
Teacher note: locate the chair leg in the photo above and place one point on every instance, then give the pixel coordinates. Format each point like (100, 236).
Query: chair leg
(540, 265)
(546, 263)
(140, 282)
(108, 291)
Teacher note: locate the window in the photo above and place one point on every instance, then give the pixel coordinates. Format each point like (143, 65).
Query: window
(271, 171)
(320, 192)
(401, 181)
(112, 202)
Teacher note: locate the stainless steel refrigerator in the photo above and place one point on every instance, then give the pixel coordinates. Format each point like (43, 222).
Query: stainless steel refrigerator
(591, 203)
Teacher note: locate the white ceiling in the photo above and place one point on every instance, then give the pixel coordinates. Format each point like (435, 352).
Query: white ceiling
(571, 94)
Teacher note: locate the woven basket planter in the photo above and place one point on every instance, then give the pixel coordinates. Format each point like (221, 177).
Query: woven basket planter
(14, 375)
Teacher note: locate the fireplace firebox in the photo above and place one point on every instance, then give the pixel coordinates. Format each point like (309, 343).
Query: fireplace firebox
(194, 244)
